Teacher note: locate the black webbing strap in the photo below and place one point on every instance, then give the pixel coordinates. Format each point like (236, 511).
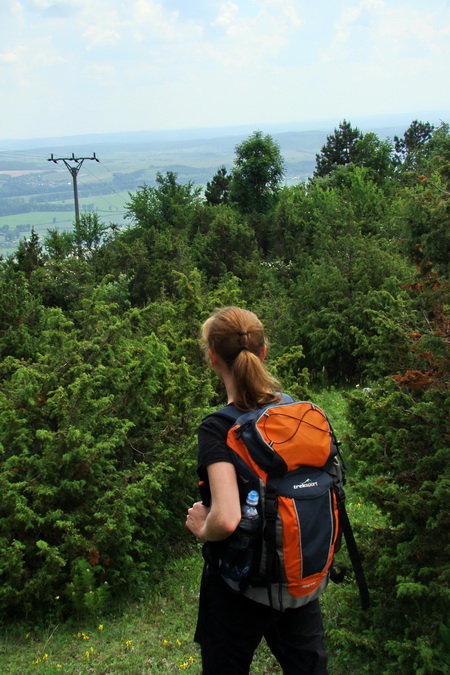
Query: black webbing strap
(230, 412)
(353, 553)
(270, 525)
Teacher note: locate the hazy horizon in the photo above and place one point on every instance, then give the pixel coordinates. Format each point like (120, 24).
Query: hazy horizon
(365, 123)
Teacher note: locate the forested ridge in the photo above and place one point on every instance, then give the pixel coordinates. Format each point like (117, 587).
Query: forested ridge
(103, 383)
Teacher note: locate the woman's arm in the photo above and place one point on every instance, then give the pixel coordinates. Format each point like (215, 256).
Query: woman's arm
(218, 521)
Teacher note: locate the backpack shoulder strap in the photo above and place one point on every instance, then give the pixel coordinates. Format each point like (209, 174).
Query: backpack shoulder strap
(230, 412)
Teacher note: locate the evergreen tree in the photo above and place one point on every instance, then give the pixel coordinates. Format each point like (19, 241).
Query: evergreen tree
(339, 150)
(216, 191)
(29, 254)
(411, 149)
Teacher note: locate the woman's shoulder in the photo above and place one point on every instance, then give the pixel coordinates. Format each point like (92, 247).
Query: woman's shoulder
(215, 422)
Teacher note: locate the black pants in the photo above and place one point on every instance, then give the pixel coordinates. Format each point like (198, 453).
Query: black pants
(230, 627)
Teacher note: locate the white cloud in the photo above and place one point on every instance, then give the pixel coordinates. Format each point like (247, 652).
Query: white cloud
(153, 20)
(208, 62)
(46, 58)
(105, 75)
(375, 31)
(99, 36)
(9, 57)
(253, 39)
(43, 4)
(227, 14)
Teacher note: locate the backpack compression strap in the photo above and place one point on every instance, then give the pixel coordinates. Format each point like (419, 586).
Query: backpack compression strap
(353, 552)
(336, 470)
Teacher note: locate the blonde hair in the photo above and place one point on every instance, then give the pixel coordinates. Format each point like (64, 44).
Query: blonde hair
(237, 336)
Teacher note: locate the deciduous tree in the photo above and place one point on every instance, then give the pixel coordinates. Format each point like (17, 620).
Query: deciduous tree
(257, 174)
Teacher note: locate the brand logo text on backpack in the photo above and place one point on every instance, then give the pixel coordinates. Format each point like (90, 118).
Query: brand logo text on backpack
(306, 484)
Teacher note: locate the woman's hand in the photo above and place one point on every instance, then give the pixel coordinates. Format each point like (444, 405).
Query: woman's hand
(196, 519)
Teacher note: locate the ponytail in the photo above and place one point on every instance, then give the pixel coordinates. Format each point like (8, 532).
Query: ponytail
(237, 336)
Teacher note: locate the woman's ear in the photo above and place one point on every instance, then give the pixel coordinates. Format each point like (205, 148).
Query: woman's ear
(212, 356)
(262, 356)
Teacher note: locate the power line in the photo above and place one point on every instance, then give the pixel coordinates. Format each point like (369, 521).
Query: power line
(116, 175)
(107, 185)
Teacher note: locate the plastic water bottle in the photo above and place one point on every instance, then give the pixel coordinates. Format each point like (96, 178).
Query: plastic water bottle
(238, 556)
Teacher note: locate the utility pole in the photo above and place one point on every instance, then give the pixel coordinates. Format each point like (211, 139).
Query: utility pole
(73, 169)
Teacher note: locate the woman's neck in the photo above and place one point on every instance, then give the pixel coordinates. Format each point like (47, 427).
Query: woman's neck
(228, 381)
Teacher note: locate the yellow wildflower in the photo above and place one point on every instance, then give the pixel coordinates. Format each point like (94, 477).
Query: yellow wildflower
(100, 627)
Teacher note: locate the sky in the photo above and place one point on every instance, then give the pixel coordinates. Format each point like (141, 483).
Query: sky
(72, 67)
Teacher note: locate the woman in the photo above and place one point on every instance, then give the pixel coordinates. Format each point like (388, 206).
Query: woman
(231, 625)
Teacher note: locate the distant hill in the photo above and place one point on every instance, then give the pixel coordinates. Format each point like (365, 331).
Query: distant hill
(382, 125)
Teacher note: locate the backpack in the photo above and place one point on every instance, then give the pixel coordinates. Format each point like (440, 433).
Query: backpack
(288, 453)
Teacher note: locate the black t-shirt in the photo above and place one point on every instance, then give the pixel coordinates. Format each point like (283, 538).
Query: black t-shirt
(212, 444)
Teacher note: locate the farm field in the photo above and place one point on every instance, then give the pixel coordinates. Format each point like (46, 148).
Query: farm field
(110, 209)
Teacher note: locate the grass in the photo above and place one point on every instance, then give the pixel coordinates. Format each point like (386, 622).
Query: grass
(155, 634)
(149, 637)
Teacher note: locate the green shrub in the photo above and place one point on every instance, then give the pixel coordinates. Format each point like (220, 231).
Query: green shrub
(400, 441)
(97, 434)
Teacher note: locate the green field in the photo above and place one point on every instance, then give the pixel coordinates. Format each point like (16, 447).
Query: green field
(110, 208)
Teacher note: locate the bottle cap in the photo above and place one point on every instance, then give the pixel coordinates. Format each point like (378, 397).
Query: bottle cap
(252, 498)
